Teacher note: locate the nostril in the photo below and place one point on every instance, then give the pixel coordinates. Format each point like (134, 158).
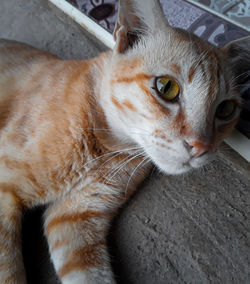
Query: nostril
(188, 146)
(199, 148)
(199, 154)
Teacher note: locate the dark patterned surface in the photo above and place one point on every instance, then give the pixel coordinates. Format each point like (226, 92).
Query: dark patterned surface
(216, 30)
(237, 11)
(184, 15)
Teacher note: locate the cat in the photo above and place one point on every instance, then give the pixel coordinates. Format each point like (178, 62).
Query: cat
(80, 136)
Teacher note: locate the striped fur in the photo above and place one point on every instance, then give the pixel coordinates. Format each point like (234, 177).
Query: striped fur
(80, 135)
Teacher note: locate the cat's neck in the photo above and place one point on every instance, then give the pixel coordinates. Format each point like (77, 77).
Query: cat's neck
(103, 130)
(110, 147)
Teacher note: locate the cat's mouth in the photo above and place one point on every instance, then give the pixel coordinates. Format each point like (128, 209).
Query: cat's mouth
(198, 162)
(186, 166)
(179, 165)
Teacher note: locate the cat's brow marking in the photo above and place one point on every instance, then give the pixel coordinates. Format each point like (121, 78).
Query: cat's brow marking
(191, 73)
(175, 68)
(136, 78)
(214, 80)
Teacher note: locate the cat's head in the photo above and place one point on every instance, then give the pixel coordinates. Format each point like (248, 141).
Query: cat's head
(169, 91)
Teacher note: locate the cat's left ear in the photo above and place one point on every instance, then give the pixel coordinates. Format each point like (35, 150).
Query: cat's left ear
(238, 56)
(137, 17)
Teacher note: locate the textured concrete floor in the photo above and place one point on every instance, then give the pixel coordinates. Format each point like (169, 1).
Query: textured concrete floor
(186, 229)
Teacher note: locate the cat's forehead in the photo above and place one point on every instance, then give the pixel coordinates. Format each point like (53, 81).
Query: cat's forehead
(196, 65)
(165, 48)
(184, 56)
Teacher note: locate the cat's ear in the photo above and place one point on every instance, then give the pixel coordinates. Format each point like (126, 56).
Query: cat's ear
(137, 17)
(238, 56)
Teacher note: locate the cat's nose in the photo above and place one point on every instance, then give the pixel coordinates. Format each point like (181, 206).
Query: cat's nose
(197, 148)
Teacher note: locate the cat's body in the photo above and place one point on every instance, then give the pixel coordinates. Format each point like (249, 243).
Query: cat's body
(59, 153)
(80, 135)
(52, 136)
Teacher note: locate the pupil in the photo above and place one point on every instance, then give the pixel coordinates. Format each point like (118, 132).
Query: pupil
(167, 87)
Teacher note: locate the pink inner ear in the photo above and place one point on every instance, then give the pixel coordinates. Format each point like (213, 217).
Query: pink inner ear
(126, 23)
(121, 39)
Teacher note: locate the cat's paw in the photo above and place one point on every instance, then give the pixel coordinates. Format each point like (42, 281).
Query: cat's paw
(90, 276)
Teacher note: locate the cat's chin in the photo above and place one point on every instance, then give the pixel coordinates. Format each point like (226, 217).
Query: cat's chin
(176, 168)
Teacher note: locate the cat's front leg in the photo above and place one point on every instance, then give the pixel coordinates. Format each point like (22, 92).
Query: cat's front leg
(11, 261)
(76, 228)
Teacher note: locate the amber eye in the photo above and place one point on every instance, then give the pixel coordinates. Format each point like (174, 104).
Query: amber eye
(226, 109)
(167, 88)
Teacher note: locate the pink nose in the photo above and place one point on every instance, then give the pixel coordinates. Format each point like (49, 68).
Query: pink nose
(199, 148)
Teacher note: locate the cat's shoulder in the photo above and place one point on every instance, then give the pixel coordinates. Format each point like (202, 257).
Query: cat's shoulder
(11, 50)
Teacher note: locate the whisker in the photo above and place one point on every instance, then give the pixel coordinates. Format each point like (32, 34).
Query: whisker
(120, 166)
(242, 74)
(153, 170)
(111, 131)
(111, 153)
(102, 165)
(133, 172)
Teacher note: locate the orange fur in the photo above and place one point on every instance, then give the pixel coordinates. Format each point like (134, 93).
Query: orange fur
(191, 73)
(49, 113)
(78, 135)
(175, 68)
(82, 258)
(74, 218)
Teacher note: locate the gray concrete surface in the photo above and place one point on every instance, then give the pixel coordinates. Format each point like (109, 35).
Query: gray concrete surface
(186, 229)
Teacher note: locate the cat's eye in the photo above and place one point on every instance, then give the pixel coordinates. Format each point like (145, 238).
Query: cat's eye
(167, 88)
(226, 109)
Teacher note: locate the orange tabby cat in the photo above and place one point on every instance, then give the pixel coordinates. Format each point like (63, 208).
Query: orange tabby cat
(81, 135)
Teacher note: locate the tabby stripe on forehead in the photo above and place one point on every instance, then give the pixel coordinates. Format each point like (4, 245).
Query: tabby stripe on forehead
(175, 68)
(227, 85)
(203, 70)
(203, 57)
(214, 82)
(191, 72)
(221, 77)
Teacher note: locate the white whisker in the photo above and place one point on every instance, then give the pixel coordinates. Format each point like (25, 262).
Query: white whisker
(111, 153)
(120, 166)
(110, 159)
(133, 172)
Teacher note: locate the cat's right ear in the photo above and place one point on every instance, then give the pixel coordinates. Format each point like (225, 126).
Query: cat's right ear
(238, 56)
(135, 18)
